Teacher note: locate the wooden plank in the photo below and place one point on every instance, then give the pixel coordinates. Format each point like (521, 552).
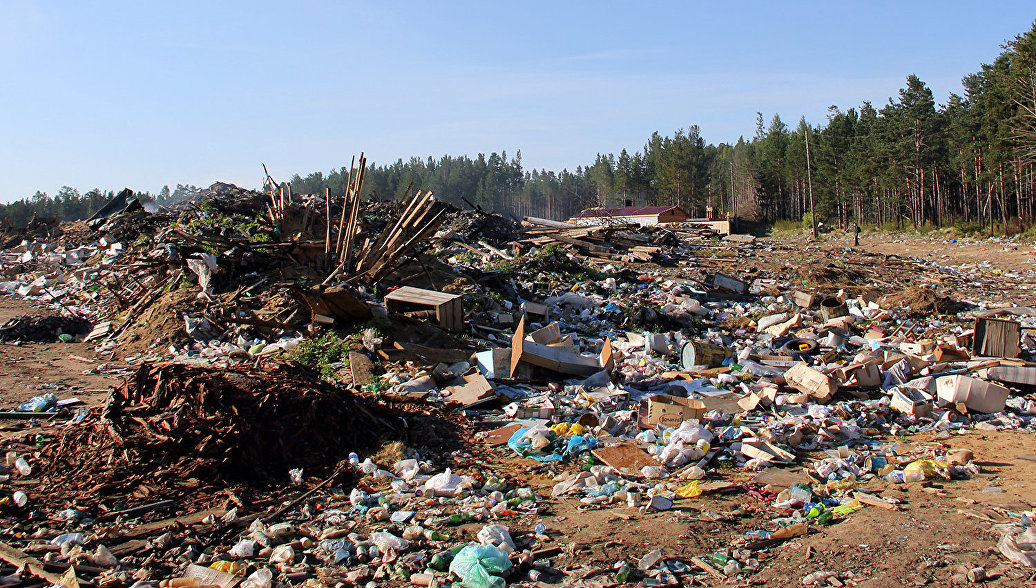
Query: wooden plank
(21, 560)
(433, 354)
(420, 296)
(362, 368)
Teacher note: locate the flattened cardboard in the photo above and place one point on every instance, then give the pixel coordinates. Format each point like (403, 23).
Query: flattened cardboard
(764, 450)
(1017, 375)
(725, 282)
(670, 411)
(547, 335)
(501, 436)
(625, 458)
(475, 389)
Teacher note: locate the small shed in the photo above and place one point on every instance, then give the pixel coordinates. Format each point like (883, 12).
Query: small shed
(641, 215)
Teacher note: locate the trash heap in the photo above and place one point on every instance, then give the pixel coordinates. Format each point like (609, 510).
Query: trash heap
(493, 375)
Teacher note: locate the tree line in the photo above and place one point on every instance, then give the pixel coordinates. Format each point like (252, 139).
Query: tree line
(905, 163)
(909, 162)
(70, 205)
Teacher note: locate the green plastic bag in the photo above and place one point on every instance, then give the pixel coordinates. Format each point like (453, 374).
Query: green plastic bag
(479, 566)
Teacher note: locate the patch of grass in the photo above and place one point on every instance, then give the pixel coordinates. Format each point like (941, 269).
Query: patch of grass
(1029, 234)
(142, 242)
(786, 226)
(319, 354)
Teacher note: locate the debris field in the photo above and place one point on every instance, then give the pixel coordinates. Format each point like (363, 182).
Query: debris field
(318, 390)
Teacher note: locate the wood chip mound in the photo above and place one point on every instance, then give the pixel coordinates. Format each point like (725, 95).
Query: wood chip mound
(174, 426)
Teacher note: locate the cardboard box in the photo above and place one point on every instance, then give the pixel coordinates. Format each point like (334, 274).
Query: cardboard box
(911, 401)
(977, 395)
(922, 347)
(804, 299)
(542, 410)
(810, 381)
(670, 411)
(494, 363)
(864, 375)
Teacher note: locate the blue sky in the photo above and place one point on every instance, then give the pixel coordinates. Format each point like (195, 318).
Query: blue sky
(143, 94)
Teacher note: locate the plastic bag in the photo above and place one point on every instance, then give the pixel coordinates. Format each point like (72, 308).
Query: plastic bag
(446, 483)
(922, 469)
(497, 535)
(690, 432)
(479, 566)
(407, 469)
(690, 490)
(385, 540)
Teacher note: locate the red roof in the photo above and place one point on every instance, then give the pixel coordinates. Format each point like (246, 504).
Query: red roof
(635, 211)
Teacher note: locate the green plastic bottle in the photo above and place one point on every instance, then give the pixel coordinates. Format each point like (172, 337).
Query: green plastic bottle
(622, 576)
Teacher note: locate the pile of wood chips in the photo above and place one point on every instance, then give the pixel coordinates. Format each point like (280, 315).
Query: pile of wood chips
(171, 427)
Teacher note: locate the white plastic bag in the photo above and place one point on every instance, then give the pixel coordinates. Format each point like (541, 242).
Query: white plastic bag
(497, 535)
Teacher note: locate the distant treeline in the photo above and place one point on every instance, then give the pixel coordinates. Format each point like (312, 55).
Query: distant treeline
(907, 162)
(70, 205)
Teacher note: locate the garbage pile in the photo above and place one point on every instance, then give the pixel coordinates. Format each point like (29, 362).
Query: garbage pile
(497, 374)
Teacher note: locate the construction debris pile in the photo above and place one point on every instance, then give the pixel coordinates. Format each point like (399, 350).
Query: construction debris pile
(497, 379)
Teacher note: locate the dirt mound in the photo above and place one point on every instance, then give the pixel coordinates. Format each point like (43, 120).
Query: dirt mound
(172, 423)
(919, 302)
(835, 278)
(42, 329)
(162, 321)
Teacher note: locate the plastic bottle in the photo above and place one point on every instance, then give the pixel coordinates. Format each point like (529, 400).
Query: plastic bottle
(623, 572)
(650, 559)
(23, 466)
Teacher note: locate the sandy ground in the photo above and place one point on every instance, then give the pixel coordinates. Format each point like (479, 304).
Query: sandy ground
(31, 369)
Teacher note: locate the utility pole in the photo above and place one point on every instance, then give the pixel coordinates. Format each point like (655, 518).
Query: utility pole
(809, 178)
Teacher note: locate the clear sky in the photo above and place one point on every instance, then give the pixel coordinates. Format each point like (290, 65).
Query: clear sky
(141, 94)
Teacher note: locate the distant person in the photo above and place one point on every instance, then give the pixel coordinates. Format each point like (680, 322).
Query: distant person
(856, 234)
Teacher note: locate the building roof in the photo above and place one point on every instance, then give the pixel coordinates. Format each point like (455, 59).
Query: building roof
(634, 211)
